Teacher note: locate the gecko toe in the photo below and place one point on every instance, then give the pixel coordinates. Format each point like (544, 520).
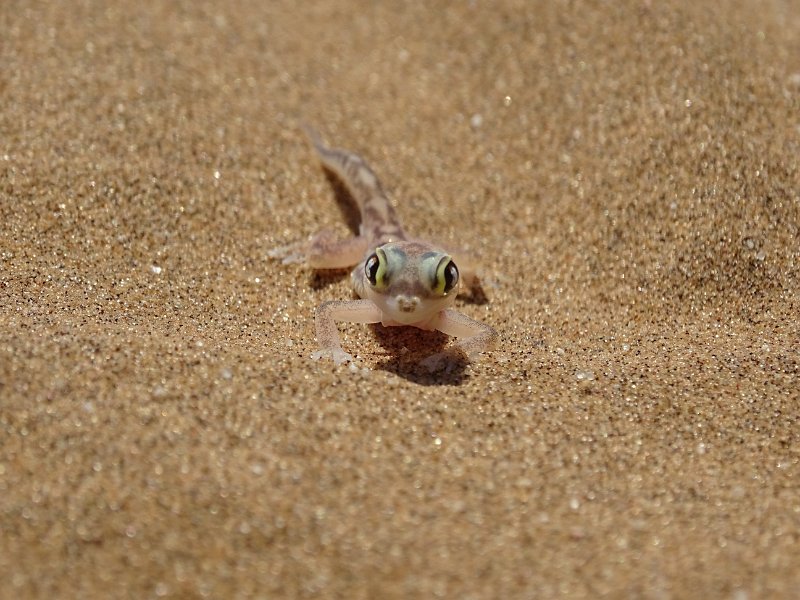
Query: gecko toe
(339, 356)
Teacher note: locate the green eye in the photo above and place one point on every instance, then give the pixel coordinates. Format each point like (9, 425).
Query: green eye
(375, 269)
(446, 276)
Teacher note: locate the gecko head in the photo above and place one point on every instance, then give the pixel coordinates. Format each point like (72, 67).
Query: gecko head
(411, 282)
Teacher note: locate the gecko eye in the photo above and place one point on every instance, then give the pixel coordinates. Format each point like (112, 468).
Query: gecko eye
(450, 276)
(371, 269)
(375, 269)
(446, 276)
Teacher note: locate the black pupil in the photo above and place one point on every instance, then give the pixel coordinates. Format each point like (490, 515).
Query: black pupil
(371, 269)
(450, 276)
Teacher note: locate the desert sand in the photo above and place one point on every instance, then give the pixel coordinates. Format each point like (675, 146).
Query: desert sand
(627, 176)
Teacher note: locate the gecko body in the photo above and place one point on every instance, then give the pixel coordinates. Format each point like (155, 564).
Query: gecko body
(399, 281)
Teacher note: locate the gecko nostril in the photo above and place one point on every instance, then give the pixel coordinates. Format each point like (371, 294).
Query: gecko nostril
(407, 304)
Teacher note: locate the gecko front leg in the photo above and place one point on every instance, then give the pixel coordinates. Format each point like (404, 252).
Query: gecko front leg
(475, 337)
(350, 311)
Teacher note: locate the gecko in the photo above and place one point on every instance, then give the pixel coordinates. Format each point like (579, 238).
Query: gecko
(399, 280)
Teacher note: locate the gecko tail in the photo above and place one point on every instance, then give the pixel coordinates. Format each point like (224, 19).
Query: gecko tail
(313, 136)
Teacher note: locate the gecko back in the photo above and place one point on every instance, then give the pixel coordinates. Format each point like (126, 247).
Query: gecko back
(379, 222)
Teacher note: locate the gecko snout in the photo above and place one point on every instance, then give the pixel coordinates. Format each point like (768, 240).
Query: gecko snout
(407, 304)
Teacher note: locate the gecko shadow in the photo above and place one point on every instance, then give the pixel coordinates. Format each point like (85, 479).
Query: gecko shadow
(319, 279)
(344, 201)
(408, 347)
(474, 295)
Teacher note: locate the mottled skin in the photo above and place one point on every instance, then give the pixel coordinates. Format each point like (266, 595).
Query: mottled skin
(399, 281)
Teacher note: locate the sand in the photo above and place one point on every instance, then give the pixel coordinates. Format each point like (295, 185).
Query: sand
(628, 176)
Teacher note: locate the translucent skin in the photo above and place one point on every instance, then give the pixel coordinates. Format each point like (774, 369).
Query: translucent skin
(408, 282)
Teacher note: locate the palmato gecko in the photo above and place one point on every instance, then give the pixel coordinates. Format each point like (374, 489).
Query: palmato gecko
(400, 281)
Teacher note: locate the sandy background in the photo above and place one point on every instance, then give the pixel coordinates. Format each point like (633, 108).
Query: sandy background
(628, 175)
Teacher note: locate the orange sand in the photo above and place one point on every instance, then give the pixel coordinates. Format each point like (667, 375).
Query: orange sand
(628, 174)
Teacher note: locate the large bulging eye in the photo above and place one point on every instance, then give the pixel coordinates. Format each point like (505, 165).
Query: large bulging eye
(371, 269)
(446, 276)
(450, 276)
(375, 269)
